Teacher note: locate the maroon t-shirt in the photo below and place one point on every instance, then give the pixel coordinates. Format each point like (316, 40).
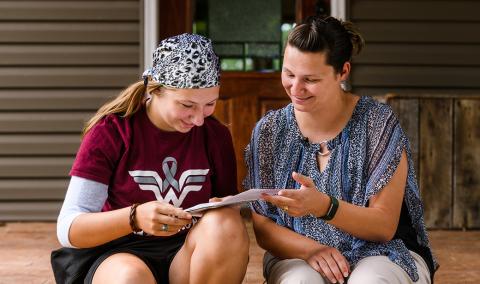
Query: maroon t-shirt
(141, 163)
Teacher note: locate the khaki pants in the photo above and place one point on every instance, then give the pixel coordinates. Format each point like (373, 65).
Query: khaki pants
(373, 269)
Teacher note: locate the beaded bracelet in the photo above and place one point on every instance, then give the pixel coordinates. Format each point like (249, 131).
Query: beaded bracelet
(332, 209)
(133, 224)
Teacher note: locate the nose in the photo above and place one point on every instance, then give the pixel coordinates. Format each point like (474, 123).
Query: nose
(296, 88)
(198, 118)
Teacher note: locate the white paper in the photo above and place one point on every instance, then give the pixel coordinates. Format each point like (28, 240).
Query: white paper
(246, 196)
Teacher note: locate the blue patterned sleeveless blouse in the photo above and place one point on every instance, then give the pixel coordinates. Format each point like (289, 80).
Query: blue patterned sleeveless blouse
(363, 159)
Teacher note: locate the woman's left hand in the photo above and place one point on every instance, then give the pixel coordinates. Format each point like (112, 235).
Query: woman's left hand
(300, 202)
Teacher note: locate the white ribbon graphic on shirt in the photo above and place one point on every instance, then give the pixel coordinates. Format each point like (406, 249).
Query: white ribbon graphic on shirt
(151, 180)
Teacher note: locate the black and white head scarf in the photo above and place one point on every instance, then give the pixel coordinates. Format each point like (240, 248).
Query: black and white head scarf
(185, 61)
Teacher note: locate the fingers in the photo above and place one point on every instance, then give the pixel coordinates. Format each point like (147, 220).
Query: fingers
(172, 220)
(161, 219)
(215, 199)
(331, 264)
(278, 200)
(170, 210)
(325, 270)
(303, 180)
(342, 264)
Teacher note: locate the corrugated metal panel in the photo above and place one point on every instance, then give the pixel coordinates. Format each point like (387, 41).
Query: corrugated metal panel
(39, 144)
(59, 61)
(63, 54)
(419, 54)
(420, 32)
(421, 46)
(69, 32)
(58, 100)
(72, 77)
(35, 167)
(32, 189)
(38, 122)
(69, 10)
(416, 76)
(416, 10)
(30, 211)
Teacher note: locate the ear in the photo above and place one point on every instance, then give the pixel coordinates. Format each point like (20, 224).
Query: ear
(345, 71)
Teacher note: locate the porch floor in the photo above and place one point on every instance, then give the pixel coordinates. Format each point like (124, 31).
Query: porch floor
(26, 254)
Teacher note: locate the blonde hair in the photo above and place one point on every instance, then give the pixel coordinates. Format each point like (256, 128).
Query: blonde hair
(126, 103)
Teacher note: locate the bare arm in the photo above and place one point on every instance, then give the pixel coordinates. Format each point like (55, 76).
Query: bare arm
(377, 222)
(81, 225)
(280, 241)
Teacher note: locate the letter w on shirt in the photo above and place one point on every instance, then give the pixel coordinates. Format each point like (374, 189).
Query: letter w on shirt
(151, 180)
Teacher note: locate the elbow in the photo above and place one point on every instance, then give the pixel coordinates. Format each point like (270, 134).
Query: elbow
(64, 224)
(386, 234)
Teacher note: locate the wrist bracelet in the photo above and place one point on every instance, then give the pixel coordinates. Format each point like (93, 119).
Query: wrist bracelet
(133, 224)
(332, 209)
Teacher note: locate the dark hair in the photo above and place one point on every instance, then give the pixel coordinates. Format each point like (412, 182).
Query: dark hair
(340, 40)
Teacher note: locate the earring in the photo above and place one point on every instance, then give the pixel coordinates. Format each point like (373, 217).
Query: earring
(344, 85)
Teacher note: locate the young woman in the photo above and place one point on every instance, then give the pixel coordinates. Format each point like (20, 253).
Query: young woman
(150, 152)
(350, 207)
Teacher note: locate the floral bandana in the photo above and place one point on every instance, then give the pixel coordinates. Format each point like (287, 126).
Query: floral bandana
(185, 61)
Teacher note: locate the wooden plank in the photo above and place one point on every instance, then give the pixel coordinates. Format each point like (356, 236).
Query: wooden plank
(62, 54)
(436, 160)
(38, 122)
(447, 11)
(419, 54)
(84, 33)
(223, 112)
(407, 111)
(266, 105)
(30, 211)
(55, 100)
(175, 17)
(420, 32)
(34, 189)
(244, 116)
(51, 144)
(262, 85)
(69, 10)
(416, 76)
(466, 206)
(68, 77)
(41, 167)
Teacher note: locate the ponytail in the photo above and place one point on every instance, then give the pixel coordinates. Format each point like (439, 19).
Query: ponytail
(126, 104)
(355, 37)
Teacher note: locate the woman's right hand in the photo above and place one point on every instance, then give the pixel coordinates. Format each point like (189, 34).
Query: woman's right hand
(330, 263)
(161, 219)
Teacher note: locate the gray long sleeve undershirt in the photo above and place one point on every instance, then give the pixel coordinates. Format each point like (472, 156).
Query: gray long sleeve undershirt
(83, 196)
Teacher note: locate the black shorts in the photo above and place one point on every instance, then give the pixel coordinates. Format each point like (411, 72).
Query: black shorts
(79, 265)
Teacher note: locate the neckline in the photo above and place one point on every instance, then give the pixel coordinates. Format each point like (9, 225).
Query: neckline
(331, 143)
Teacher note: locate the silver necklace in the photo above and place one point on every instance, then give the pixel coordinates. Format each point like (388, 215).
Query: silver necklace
(324, 142)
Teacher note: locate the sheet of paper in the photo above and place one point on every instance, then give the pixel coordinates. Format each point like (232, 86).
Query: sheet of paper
(246, 196)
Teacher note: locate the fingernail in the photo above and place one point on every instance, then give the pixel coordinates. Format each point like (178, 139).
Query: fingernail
(345, 274)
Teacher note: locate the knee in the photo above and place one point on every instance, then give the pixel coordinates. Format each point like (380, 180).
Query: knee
(375, 270)
(294, 271)
(123, 268)
(373, 278)
(226, 226)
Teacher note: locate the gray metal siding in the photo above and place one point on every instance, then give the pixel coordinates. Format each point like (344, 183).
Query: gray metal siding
(416, 47)
(59, 61)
